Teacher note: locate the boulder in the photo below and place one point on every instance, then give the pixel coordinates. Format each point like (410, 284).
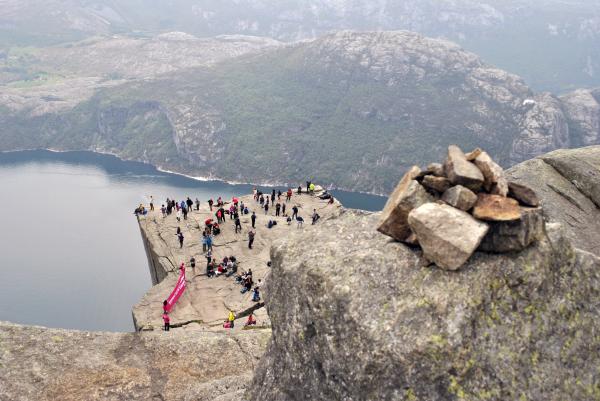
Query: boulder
(438, 184)
(460, 197)
(496, 208)
(436, 169)
(408, 195)
(494, 180)
(515, 326)
(509, 236)
(525, 195)
(460, 171)
(448, 236)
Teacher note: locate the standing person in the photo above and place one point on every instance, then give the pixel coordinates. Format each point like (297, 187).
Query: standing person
(315, 217)
(180, 238)
(238, 225)
(254, 192)
(189, 203)
(267, 207)
(163, 210)
(288, 195)
(209, 242)
(197, 204)
(294, 212)
(204, 242)
(151, 203)
(253, 218)
(250, 239)
(273, 197)
(193, 264)
(277, 209)
(178, 214)
(185, 212)
(279, 195)
(167, 321)
(210, 204)
(283, 209)
(307, 186)
(231, 319)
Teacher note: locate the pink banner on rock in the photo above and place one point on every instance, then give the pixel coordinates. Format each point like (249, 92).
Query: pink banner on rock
(177, 291)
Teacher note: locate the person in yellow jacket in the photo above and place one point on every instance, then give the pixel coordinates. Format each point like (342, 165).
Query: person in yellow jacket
(311, 188)
(231, 319)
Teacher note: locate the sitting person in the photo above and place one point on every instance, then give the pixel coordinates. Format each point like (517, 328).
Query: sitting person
(300, 221)
(221, 269)
(210, 269)
(315, 217)
(251, 320)
(216, 229)
(270, 224)
(289, 220)
(325, 195)
(256, 295)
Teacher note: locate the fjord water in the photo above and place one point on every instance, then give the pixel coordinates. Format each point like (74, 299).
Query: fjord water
(71, 254)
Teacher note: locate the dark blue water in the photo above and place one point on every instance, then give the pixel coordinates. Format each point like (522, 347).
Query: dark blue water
(71, 254)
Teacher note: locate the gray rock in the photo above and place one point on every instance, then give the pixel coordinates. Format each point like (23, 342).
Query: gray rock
(408, 195)
(504, 327)
(460, 197)
(494, 180)
(436, 169)
(508, 236)
(460, 171)
(438, 184)
(563, 201)
(42, 364)
(448, 236)
(523, 194)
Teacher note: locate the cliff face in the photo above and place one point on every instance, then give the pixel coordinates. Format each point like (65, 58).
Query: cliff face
(568, 182)
(53, 364)
(358, 317)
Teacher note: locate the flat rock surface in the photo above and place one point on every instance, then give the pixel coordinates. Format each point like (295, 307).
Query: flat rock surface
(206, 301)
(496, 208)
(52, 364)
(566, 195)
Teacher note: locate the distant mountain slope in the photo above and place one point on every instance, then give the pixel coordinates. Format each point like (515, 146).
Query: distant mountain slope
(349, 109)
(553, 44)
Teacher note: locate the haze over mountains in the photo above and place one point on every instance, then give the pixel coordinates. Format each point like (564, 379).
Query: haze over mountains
(351, 109)
(551, 43)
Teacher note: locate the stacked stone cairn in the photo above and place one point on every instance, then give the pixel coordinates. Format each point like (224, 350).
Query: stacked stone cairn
(464, 205)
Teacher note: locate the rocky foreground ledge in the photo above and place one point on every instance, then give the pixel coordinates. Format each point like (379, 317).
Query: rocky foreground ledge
(40, 364)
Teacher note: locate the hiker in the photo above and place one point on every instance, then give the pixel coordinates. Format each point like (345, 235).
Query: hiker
(267, 208)
(277, 209)
(189, 203)
(261, 200)
(216, 229)
(253, 218)
(231, 319)
(299, 189)
(193, 263)
(311, 188)
(308, 186)
(288, 195)
(283, 209)
(180, 238)
(209, 241)
(151, 203)
(178, 214)
(289, 220)
(238, 225)
(165, 305)
(279, 195)
(210, 269)
(254, 193)
(197, 204)
(300, 221)
(185, 212)
(255, 295)
(220, 202)
(169, 208)
(330, 201)
(210, 204)
(219, 216)
(251, 320)
(273, 197)
(294, 212)
(250, 239)
(315, 217)
(167, 321)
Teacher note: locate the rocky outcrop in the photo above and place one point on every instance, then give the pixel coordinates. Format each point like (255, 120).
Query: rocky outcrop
(566, 181)
(382, 326)
(52, 364)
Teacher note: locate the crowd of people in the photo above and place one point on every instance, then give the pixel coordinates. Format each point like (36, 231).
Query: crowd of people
(276, 201)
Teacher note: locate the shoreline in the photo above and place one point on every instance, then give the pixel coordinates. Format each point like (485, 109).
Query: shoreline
(209, 178)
